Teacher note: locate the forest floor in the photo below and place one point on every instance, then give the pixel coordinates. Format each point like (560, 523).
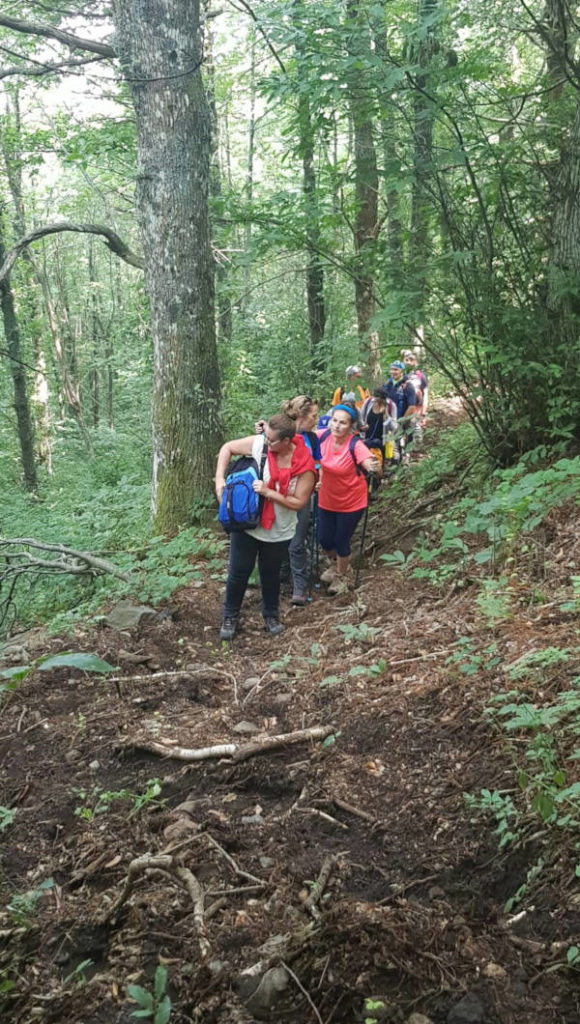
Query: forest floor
(321, 877)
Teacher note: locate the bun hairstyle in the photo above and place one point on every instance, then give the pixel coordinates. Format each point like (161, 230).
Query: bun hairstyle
(298, 407)
(283, 424)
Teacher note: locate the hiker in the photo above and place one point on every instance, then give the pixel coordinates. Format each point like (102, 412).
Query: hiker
(400, 389)
(379, 423)
(304, 411)
(342, 492)
(286, 485)
(418, 378)
(353, 392)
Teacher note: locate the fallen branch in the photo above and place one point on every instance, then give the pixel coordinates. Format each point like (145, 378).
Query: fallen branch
(237, 752)
(167, 866)
(21, 561)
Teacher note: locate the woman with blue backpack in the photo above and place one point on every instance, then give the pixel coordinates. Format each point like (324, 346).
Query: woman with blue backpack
(282, 477)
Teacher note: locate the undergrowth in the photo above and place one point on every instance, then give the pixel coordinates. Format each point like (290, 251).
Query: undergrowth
(101, 505)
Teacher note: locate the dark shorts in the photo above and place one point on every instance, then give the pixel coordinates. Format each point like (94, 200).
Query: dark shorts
(335, 529)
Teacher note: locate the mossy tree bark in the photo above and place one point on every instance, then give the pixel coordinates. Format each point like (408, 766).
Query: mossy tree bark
(160, 53)
(18, 374)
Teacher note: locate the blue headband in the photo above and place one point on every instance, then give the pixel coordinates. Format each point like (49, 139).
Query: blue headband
(347, 408)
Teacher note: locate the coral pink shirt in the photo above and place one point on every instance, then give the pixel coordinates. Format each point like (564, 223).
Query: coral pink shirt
(342, 489)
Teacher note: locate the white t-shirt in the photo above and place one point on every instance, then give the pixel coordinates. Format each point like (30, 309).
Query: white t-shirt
(284, 525)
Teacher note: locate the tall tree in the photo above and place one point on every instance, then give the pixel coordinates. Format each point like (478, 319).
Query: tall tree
(18, 373)
(159, 47)
(366, 225)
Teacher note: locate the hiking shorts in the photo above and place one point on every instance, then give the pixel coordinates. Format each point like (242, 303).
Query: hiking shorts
(335, 530)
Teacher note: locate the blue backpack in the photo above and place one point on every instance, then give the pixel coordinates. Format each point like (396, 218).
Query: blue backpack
(240, 506)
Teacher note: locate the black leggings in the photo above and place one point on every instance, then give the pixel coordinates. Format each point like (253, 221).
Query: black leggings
(244, 549)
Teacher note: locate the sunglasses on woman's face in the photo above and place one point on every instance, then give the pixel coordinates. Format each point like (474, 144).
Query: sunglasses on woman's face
(272, 443)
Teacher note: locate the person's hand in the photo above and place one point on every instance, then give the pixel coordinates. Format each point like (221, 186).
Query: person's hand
(259, 426)
(375, 466)
(317, 485)
(220, 483)
(260, 488)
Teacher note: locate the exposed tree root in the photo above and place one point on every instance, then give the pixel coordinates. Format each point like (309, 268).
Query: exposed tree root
(166, 865)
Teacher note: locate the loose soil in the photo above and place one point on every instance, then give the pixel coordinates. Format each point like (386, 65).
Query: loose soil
(410, 904)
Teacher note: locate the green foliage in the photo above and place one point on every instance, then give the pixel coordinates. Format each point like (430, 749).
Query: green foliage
(361, 633)
(99, 801)
(502, 808)
(471, 661)
(23, 906)
(7, 815)
(85, 662)
(156, 1004)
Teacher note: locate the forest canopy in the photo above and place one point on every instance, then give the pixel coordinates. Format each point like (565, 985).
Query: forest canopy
(305, 185)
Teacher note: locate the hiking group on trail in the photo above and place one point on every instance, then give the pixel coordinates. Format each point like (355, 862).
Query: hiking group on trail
(294, 487)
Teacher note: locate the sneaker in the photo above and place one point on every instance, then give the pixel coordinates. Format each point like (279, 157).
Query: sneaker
(273, 625)
(328, 575)
(299, 600)
(339, 585)
(228, 629)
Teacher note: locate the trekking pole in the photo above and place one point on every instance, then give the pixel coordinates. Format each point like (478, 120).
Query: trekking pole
(313, 550)
(362, 540)
(316, 544)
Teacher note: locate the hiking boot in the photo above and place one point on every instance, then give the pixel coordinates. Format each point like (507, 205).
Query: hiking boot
(328, 575)
(272, 625)
(339, 585)
(299, 600)
(228, 628)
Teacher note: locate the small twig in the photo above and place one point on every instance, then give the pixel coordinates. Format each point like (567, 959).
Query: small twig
(353, 810)
(239, 871)
(317, 892)
(322, 814)
(404, 888)
(306, 994)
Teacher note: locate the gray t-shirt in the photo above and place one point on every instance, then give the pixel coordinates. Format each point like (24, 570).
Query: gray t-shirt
(284, 525)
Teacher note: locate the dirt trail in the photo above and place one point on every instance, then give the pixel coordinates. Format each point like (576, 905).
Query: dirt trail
(408, 906)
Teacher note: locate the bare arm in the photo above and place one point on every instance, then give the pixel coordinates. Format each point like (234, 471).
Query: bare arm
(241, 446)
(296, 501)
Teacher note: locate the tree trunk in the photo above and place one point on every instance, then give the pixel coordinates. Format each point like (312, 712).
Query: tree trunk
(224, 304)
(13, 162)
(159, 49)
(423, 117)
(95, 339)
(17, 372)
(366, 225)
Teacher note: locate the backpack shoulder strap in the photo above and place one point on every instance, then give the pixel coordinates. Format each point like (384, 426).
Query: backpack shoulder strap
(324, 436)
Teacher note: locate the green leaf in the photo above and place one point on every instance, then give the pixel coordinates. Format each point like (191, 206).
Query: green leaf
(141, 996)
(163, 1011)
(329, 681)
(160, 982)
(86, 662)
(572, 954)
(16, 673)
(358, 670)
